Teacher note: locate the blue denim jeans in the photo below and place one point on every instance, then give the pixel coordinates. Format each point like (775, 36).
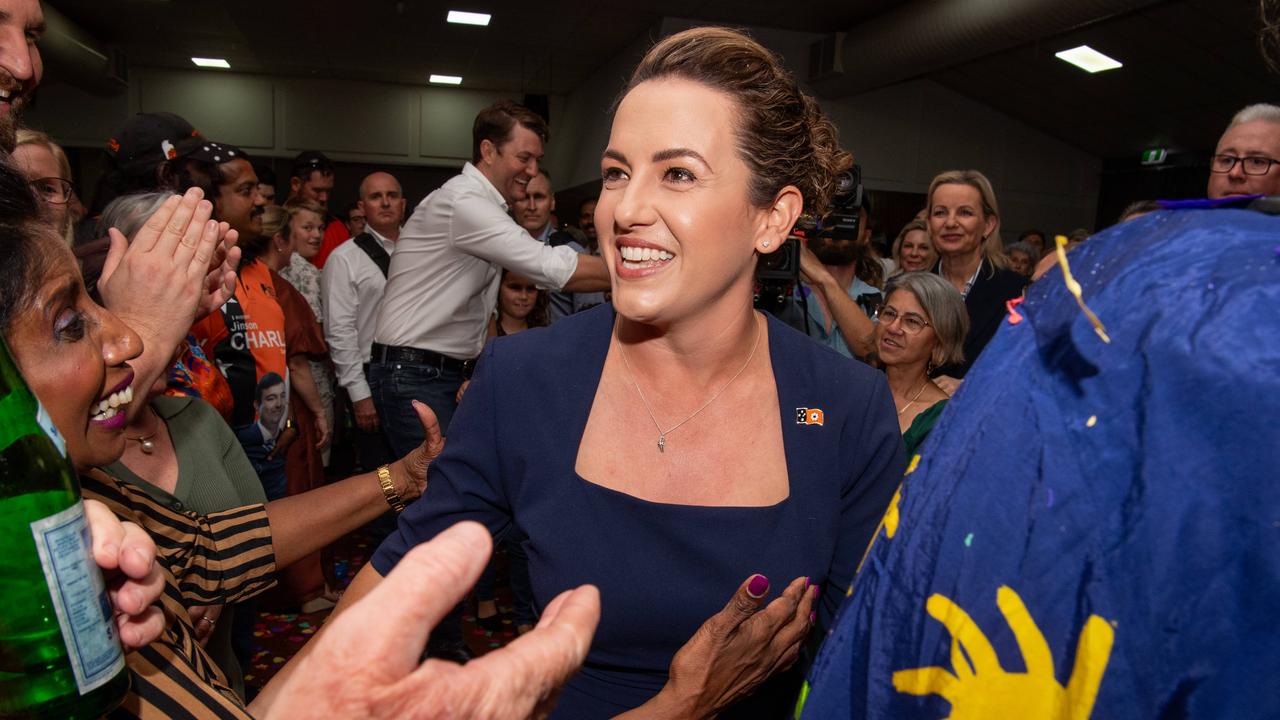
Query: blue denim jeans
(395, 385)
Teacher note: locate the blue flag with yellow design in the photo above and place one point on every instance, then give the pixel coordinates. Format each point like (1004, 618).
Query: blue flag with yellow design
(1093, 528)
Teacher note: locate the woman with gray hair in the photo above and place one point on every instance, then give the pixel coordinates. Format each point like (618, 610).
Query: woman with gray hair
(920, 326)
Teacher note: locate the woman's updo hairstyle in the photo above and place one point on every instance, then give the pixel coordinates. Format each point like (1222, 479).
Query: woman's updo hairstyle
(782, 135)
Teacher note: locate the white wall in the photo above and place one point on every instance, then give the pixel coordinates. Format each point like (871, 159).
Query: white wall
(280, 116)
(580, 133)
(904, 134)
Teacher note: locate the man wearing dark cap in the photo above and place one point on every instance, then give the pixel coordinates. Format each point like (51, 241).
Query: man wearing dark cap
(312, 178)
(137, 150)
(226, 176)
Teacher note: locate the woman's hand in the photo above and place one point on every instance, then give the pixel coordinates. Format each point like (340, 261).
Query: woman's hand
(220, 281)
(409, 473)
(156, 283)
(324, 435)
(366, 662)
(735, 650)
(127, 556)
(204, 618)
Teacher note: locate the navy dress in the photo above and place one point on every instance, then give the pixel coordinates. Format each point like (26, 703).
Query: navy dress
(662, 569)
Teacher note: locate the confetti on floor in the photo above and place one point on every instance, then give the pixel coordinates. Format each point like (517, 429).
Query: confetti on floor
(279, 636)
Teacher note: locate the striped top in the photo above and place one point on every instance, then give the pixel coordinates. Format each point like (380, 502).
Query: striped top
(220, 558)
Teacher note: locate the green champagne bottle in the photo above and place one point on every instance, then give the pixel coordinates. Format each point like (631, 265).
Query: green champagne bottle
(60, 653)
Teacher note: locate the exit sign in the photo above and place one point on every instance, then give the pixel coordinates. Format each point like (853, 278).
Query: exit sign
(1154, 157)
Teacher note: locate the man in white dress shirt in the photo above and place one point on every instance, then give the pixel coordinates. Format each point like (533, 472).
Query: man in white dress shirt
(445, 270)
(352, 282)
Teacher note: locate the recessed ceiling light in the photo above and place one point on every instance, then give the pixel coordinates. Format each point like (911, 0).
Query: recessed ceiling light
(1088, 59)
(446, 79)
(212, 62)
(469, 18)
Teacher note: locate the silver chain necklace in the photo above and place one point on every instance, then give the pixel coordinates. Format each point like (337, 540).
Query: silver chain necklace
(662, 434)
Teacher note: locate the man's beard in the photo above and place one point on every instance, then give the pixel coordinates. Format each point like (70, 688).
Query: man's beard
(19, 99)
(832, 252)
(8, 133)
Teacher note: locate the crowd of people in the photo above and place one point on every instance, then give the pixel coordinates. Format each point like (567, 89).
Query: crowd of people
(685, 485)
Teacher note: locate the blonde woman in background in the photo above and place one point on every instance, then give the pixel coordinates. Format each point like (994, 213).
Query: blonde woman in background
(913, 250)
(45, 166)
(303, 233)
(964, 225)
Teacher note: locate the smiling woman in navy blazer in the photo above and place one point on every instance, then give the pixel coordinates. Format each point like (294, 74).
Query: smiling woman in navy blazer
(677, 449)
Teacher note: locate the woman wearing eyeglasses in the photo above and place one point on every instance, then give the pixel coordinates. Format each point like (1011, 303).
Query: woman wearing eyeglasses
(921, 325)
(47, 170)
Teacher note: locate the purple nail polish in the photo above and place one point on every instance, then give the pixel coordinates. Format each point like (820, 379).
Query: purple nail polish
(758, 586)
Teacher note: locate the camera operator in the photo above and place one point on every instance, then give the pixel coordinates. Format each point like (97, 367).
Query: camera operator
(841, 278)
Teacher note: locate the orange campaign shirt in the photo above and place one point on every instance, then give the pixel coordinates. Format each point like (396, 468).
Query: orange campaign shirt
(246, 338)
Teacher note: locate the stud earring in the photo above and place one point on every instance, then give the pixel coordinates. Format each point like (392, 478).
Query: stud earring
(765, 243)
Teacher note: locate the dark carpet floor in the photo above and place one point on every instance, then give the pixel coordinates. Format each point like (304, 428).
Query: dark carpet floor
(278, 636)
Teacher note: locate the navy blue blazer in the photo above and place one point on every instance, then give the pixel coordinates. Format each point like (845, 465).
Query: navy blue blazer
(662, 569)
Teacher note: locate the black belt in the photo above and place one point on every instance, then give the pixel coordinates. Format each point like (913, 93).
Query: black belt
(418, 356)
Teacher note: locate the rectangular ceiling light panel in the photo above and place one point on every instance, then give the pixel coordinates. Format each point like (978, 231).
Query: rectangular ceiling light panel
(446, 79)
(460, 17)
(211, 63)
(1088, 59)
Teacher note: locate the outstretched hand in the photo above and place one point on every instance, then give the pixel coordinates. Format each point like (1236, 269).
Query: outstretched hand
(365, 664)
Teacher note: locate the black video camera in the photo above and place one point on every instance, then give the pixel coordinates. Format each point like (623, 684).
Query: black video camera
(778, 273)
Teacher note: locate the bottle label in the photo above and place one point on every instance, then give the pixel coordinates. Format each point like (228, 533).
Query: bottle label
(46, 423)
(79, 597)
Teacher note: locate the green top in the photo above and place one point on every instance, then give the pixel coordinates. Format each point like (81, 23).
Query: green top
(914, 437)
(213, 474)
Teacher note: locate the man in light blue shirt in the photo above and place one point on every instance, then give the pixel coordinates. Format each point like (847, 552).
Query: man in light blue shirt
(832, 304)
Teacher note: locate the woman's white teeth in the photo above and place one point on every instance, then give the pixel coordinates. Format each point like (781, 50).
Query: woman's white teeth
(631, 253)
(107, 407)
